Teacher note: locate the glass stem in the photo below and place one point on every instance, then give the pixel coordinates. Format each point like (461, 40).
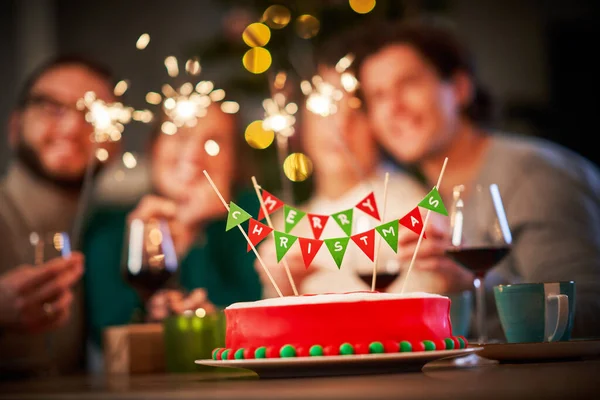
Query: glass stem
(480, 310)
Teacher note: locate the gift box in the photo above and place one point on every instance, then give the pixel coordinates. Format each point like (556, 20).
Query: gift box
(134, 349)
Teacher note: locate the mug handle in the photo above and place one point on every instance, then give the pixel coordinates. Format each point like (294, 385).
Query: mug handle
(560, 303)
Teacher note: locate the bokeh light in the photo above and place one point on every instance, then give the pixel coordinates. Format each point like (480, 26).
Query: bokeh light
(258, 137)
(307, 26)
(256, 35)
(297, 167)
(129, 160)
(362, 6)
(257, 60)
(142, 41)
(277, 16)
(102, 154)
(212, 148)
(120, 88)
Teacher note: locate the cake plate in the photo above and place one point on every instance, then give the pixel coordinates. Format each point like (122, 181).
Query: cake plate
(363, 364)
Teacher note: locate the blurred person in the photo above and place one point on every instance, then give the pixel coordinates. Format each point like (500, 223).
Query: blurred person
(424, 103)
(40, 192)
(214, 268)
(348, 165)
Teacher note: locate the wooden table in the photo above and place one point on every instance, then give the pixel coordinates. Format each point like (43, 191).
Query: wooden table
(551, 380)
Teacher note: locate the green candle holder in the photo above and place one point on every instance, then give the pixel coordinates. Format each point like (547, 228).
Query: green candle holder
(190, 337)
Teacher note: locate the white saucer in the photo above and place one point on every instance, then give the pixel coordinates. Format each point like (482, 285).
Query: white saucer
(339, 365)
(524, 352)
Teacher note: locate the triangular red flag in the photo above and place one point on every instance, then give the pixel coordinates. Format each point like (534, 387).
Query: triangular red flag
(271, 202)
(369, 206)
(366, 242)
(257, 231)
(310, 248)
(413, 221)
(317, 224)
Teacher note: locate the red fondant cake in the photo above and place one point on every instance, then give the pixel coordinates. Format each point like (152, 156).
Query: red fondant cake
(338, 324)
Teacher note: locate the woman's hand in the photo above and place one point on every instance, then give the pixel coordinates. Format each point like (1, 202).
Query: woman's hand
(166, 302)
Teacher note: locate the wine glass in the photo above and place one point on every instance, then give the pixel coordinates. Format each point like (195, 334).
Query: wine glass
(388, 267)
(149, 259)
(43, 247)
(480, 238)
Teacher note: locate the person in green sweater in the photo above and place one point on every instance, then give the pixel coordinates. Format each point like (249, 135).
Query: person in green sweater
(215, 270)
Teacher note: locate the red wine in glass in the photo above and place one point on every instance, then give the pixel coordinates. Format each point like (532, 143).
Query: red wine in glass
(480, 237)
(148, 280)
(383, 281)
(150, 259)
(478, 259)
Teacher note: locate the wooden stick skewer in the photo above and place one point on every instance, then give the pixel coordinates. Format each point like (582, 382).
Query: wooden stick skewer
(385, 187)
(262, 264)
(414, 257)
(265, 211)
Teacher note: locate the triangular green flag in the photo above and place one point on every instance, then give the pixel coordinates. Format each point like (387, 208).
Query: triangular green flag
(337, 247)
(344, 220)
(283, 242)
(433, 201)
(389, 233)
(236, 216)
(292, 216)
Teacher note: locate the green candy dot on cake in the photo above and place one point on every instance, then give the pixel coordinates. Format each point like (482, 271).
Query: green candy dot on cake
(260, 352)
(376, 348)
(215, 352)
(346, 349)
(405, 347)
(428, 345)
(316, 350)
(449, 344)
(461, 342)
(225, 354)
(239, 354)
(287, 351)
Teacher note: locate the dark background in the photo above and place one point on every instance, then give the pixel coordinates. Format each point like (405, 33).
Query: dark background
(537, 57)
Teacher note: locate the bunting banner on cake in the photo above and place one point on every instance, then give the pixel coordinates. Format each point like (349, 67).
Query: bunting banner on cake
(317, 224)
(291, 217)
(389, 233)
(433, 201)
(309, 249)
(271, 202)
(236, 216)
(257, 231)
(344, 220)
(369, 206)
(283, 243)
(366, 242)
(413, 221)
(337, 247)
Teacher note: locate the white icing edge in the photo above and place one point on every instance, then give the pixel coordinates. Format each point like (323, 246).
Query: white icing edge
(331, 298)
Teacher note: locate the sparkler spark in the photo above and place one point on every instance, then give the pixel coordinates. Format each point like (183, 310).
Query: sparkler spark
(322, 98)
(186, 104)
(279, 116)
(108, 119)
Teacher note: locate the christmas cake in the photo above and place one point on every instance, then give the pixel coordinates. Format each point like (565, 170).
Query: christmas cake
(338, 324)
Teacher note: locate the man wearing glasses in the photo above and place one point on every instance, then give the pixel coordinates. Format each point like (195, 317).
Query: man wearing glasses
(51, 144)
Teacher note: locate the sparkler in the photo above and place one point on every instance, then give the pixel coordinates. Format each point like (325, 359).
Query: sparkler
(186, 104)
(108, 121)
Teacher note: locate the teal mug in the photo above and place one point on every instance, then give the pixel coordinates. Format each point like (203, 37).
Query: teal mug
(536, 312)
(461, 309)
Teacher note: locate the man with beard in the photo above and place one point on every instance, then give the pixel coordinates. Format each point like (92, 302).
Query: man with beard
(40, 193)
